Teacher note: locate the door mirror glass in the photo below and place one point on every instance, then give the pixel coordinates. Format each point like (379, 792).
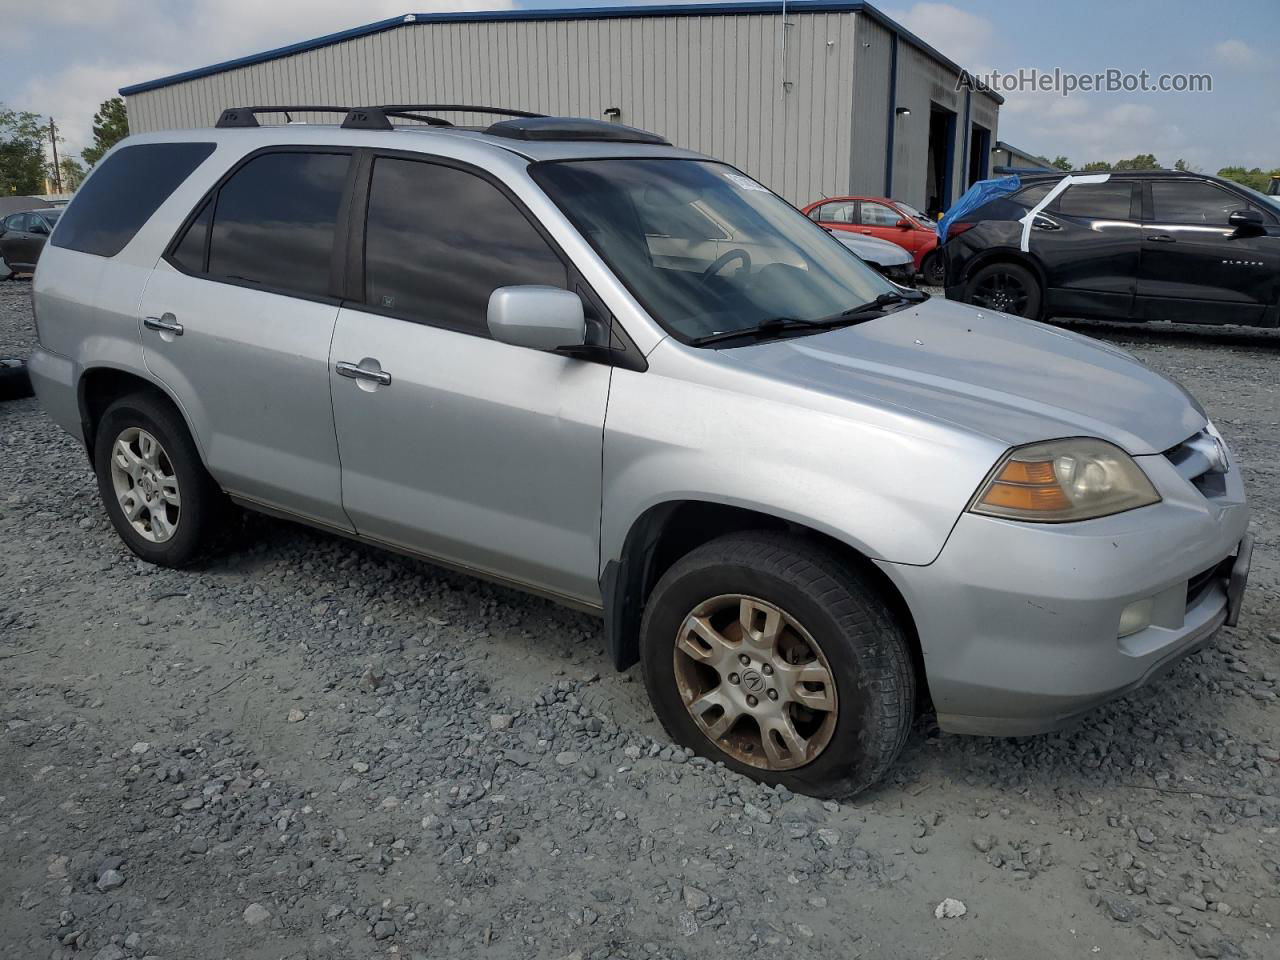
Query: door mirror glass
(903, 224)
(1245, 219)
(537, 317)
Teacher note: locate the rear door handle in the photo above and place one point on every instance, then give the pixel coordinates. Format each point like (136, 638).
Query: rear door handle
(166, 323)
(1162, 238)
(354, 371)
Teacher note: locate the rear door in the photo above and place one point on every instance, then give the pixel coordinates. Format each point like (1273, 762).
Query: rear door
(1089, 241)
(237, 320)
(838, 215)
(1196, 268)
(17, 242)
(454, 445)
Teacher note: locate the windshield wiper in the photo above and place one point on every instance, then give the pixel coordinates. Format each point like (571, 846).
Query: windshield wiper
(774, 326)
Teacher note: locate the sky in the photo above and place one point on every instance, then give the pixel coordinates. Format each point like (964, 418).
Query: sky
(62, 58)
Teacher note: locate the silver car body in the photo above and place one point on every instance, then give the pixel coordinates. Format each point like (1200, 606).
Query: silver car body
(876, 435)
(875, 251)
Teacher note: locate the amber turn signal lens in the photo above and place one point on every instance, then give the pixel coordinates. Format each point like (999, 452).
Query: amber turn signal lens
(1077, 478)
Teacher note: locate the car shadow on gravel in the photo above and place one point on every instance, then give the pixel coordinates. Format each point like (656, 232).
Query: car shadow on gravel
(1182, 334)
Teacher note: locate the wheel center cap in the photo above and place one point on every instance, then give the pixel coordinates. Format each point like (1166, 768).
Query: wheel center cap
(752, 682)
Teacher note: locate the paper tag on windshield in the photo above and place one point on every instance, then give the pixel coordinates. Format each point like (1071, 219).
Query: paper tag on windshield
(746, 183)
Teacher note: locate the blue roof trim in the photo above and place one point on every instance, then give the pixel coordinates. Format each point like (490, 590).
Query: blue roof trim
(557, 13)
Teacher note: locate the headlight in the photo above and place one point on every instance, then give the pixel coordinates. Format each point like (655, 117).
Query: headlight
(1062, 480)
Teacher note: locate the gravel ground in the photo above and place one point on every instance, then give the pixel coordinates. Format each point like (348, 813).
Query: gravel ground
(309, 749)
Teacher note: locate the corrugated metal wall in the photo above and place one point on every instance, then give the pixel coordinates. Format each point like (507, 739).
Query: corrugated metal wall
(713, 84)
(870, 107)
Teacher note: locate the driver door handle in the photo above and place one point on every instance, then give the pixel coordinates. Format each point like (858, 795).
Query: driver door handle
(1161, 238)
(354, 371)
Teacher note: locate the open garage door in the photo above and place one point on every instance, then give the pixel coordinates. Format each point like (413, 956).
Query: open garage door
(942, 148)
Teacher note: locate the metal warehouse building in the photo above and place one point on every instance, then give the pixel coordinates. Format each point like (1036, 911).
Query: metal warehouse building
(813, 97)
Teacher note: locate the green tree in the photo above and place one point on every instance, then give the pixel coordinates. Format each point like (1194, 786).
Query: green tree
(1143, 161)
(110, 126)
(1256, 178)
(1061, 162)
(1097, 166)
(73, 173)
(22, 162)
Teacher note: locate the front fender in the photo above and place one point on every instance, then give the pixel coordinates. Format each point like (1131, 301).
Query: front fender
(881, 481)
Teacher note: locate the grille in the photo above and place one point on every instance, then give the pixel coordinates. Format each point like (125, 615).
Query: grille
(1199, 585)
(1197, 461)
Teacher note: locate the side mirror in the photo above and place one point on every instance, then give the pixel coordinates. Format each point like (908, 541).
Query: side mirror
(39, 229)
(903, 224)
(540, 318)
(1246, 220)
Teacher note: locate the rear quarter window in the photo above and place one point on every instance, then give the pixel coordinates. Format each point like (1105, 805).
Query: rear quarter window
(123, 193)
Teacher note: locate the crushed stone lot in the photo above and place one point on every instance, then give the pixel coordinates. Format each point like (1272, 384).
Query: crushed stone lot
(306, 748)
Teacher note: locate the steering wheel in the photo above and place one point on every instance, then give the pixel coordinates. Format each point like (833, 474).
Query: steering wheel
(726, 258)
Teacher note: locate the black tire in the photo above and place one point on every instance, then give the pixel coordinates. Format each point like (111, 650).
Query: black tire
(201, 500)
(14, 381)
(933, 270)
(1007, 287)
(864, 646)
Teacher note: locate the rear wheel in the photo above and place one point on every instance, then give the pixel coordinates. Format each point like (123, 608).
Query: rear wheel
(934, 270)
(1006, 287)
(153, 484)
(769, 654)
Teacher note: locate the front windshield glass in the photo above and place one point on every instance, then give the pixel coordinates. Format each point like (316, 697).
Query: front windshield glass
(911, 211)
(1262, 200)
(704, 248)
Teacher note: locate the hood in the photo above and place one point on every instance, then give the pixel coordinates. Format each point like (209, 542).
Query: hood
(1010, 379)
(874, 250)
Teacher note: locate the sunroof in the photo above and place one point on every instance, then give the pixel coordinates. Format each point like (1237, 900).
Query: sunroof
(571, 128)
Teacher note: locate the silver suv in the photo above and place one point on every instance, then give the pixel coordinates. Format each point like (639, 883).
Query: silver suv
(567, 356)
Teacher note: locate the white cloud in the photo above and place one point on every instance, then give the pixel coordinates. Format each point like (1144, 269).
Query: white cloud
(1237, 53)
(114, 43)
(964, 37)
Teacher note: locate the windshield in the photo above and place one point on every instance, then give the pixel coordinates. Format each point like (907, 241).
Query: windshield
(1264, 201)
(704, 248)
(911, 211)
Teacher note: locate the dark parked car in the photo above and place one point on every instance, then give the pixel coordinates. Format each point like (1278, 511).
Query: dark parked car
(1148, 245)
(23, 236)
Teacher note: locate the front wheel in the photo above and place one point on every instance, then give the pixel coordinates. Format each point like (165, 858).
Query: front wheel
(934, 270)
(769, 654)
(1006, 287)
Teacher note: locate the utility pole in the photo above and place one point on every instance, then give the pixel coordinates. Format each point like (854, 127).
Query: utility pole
(57, 171)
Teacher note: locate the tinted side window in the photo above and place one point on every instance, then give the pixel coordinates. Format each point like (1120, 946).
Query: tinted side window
(1030, 196)
(190, 252)
(1193, 201)
(125, 190)
(1108, 201)
(878, 215)
(440, 240)
(275, 220)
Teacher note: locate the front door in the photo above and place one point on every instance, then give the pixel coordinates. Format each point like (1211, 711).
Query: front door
(237, 320)
(453, 445)
(1196, 268)
(881, 220)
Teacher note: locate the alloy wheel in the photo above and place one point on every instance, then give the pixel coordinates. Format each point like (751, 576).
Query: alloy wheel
(1001, 291)
(755, 682)
(145, 484)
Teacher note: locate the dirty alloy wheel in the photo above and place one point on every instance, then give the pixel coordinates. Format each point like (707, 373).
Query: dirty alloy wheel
(1006, 287)
(934, 270)
(769, 653)
(153, 484)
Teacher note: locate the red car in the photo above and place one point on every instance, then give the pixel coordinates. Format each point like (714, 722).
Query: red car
(890, 220)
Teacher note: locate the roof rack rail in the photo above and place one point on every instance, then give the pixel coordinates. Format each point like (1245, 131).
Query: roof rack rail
(247, 116)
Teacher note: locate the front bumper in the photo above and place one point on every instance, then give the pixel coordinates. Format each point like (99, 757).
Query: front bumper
(1018, 622)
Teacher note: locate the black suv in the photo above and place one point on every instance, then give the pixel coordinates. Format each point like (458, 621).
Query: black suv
(1139, 245)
